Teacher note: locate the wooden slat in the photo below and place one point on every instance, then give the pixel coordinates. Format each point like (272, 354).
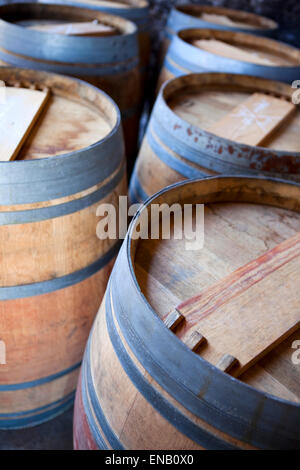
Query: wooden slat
(90, 28)
(19, 111)
(251, 311)
(229, 51)
(254, 120)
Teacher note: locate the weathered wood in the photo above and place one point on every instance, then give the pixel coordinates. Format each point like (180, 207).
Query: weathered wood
(227, 363)
(18, 114)
(253, 121)
(224, 312)
(224, 49)
(136, 11)
(54, 268)
(172, 397)
(109, 63)
(179, 144)
(226, 21)
(202, 16)
(92, 28)
(194, 341)
(201, 50)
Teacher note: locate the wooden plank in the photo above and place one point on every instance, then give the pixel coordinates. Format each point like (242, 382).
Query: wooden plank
(91, 28)
(254, 120)
(251, 311)
(19, 112)
(230, 51)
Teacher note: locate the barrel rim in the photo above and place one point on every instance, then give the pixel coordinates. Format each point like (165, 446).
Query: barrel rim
(162, 102)
(262, 20)
(67, 155)
(48, 46)
(137, 14)
(179, 37)
(128, 246)
(131, 4)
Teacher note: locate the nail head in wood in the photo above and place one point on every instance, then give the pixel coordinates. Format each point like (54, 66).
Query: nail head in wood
(227, 362)
(173, 319)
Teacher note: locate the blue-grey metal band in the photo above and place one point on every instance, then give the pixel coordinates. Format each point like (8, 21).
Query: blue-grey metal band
(88, 390)
(67, 49)
(224, 402)
(30, 181)
(93, 425)
(45, 287)
(39, 382)
(51, 212)
(179, 20)
(171, 67)
(161, 404)
(169, 33)
(201, 147)
(183, 168)
(65, 69)
(189, 153)
(136, 191)
(39, 415)
(196, 60)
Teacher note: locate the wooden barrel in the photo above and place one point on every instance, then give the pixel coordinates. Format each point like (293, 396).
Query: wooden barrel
(111, 63)
(209, 50)
(142, 385)
(54, 268)
(179, 142)
(203, 16)
(136, 11)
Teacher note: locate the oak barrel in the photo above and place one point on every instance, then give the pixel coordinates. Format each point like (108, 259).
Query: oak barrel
(142, 385)
(205, 16)
(179, 144)
(54, 268)
(110, 63)
(209, 50)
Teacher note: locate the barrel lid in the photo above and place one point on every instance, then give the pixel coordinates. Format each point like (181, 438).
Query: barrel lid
(192, 104)
(241, 47)
(16, 38)
(74, 118)
(245, 219)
